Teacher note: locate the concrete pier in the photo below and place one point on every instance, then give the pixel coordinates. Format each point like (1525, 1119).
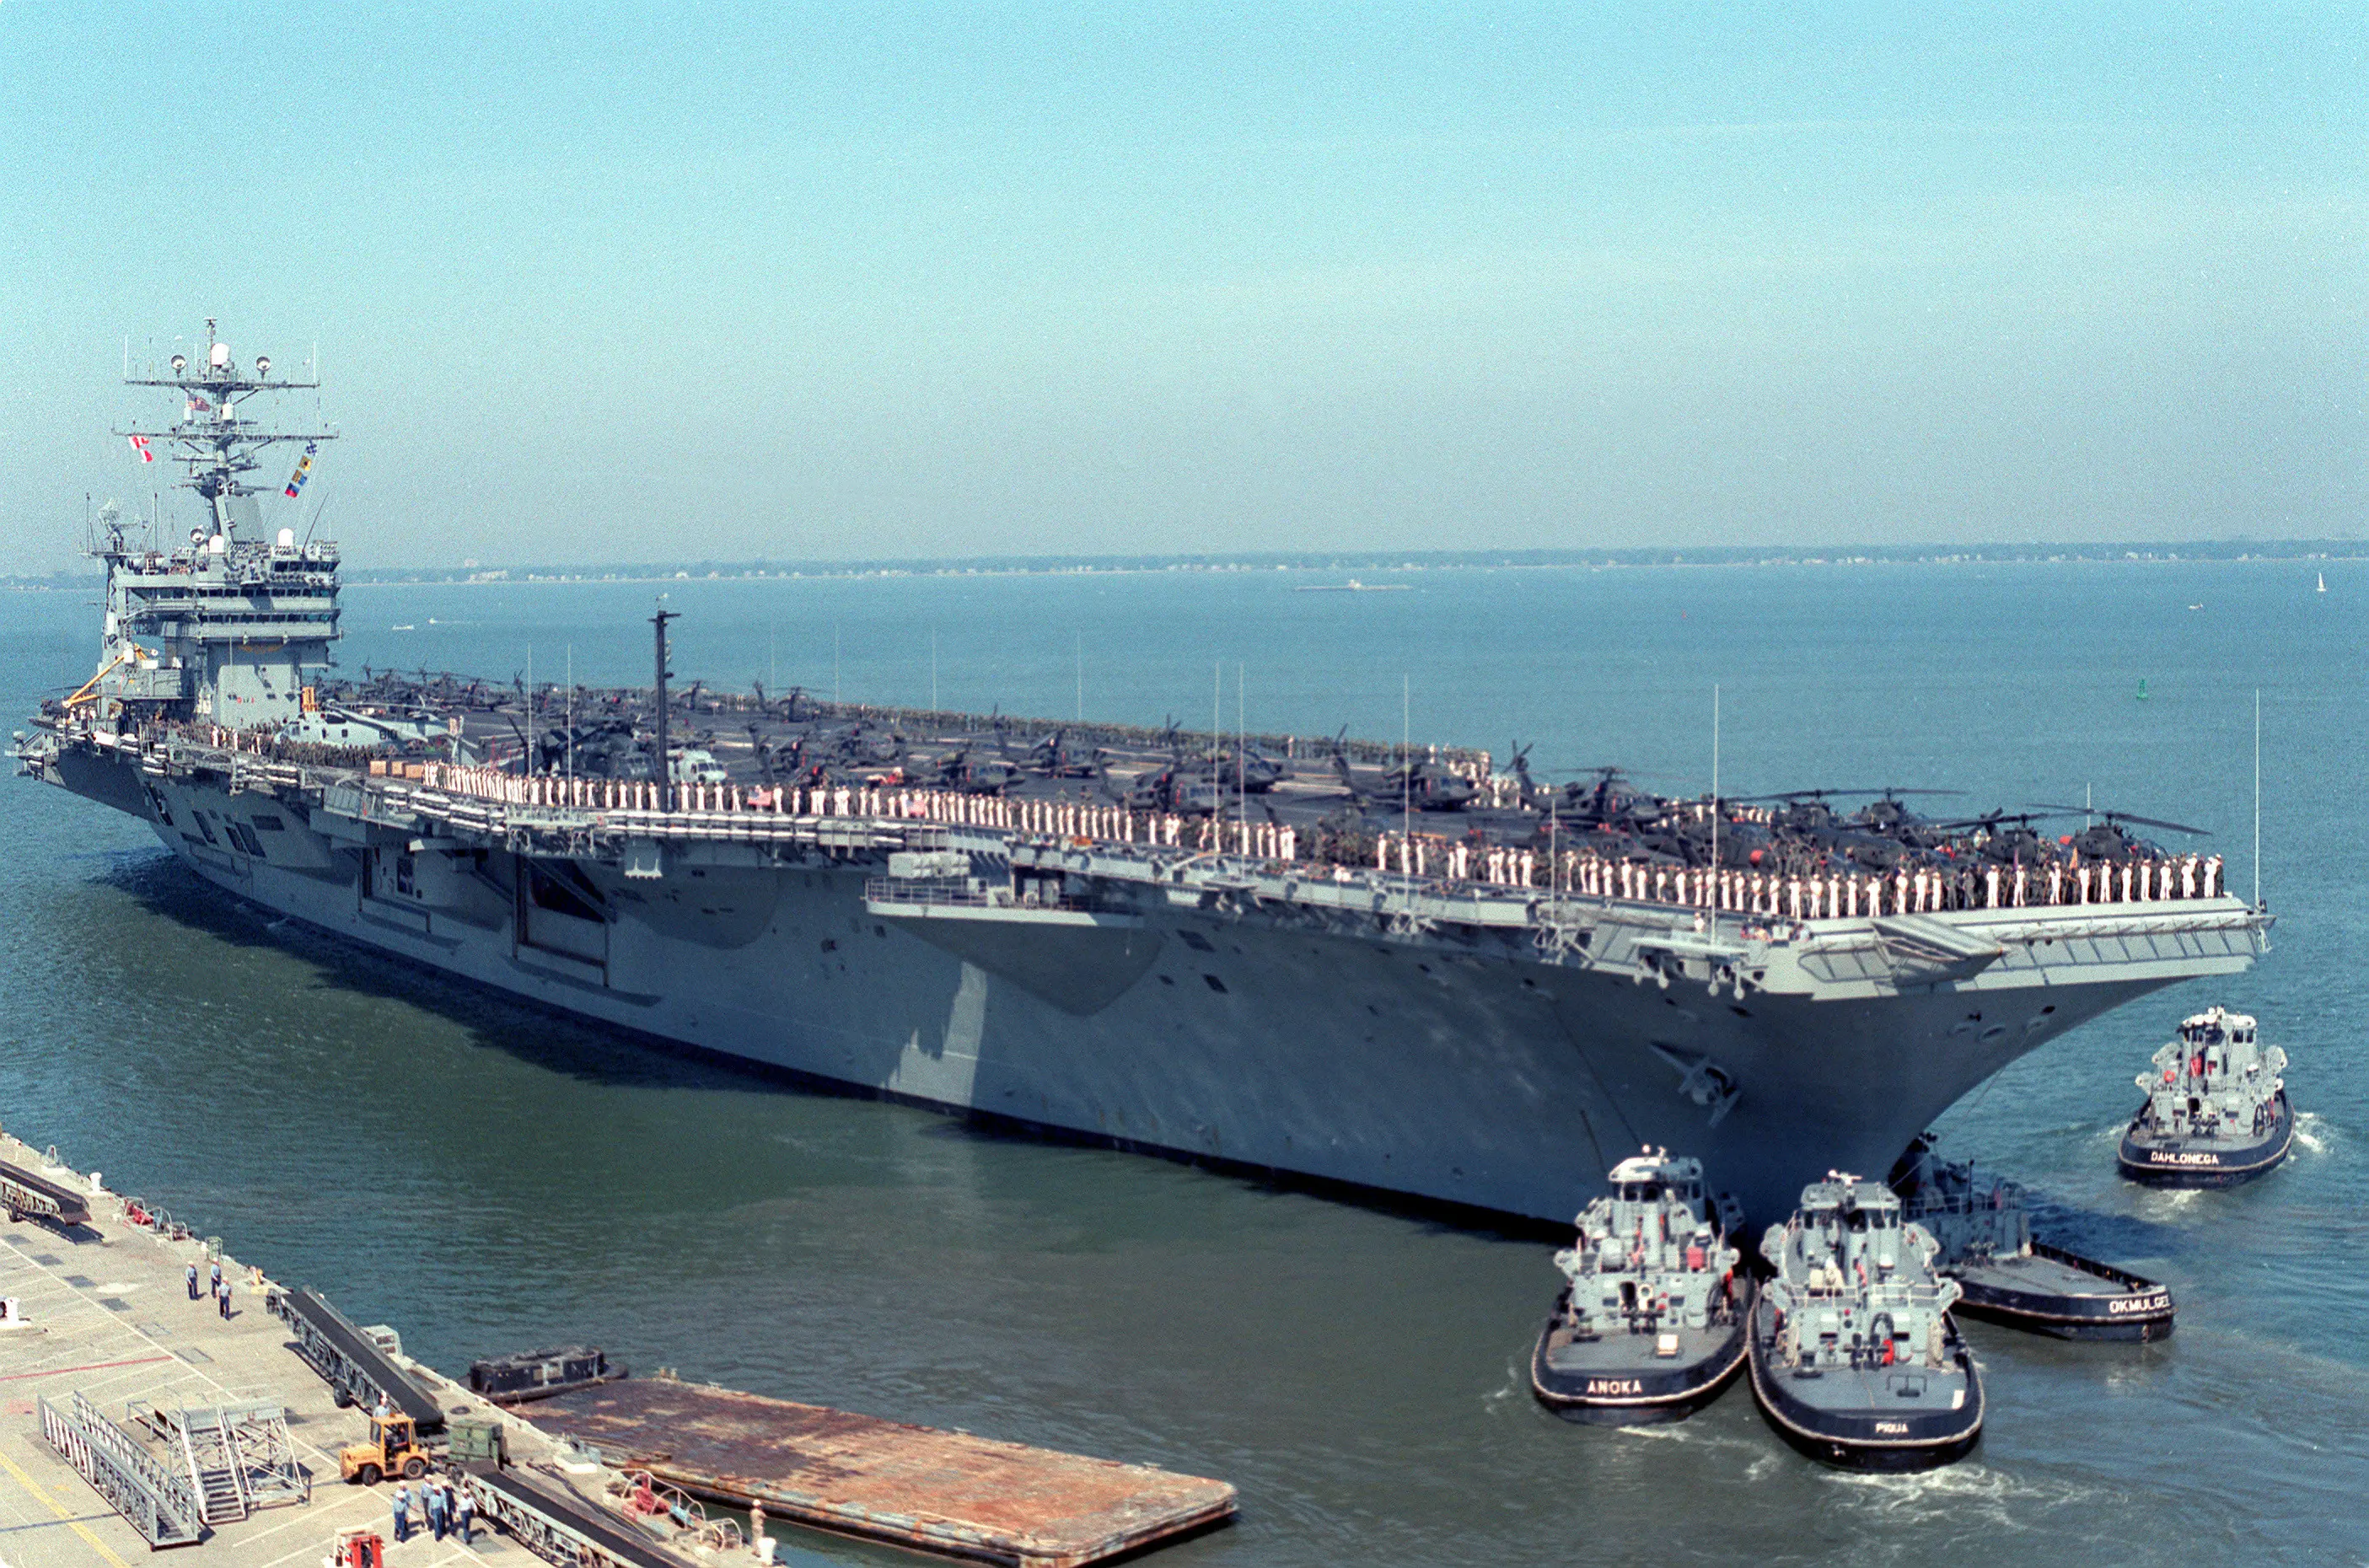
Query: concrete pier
(108, 1315)
(109, 1338)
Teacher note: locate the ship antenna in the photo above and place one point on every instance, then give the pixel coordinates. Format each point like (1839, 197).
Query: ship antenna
(666, 768)
(317, 518)
(2258, 799)
(1714, 806)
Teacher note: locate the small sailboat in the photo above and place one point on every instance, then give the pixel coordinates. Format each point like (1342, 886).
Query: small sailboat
(2323, 582)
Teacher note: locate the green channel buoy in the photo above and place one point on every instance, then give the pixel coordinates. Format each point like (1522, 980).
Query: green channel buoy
(2143, 689)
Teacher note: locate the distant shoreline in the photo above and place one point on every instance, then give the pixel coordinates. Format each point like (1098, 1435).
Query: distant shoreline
(1400, 564)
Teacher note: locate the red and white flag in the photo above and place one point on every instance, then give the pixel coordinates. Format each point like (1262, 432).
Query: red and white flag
(140, 445)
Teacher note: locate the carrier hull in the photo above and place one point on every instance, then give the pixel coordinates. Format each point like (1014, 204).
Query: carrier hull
(1494, 1079)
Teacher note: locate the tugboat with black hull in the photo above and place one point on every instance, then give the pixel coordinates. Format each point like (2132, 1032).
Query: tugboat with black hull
(1650, 1326)
(541, 1374)
(1855, 1359)
(2217, 1111)
(2007, 1276)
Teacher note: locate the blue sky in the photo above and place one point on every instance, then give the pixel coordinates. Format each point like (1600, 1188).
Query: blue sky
(848, 281)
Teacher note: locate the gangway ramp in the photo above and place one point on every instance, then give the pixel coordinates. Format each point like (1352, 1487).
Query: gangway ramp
(351, 1361)
(239, 1456)
(162, 1504)
(558, 1526)
(28, 1193)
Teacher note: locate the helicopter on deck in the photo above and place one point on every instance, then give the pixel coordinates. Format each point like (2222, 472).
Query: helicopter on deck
(1424, 786)
(1176, 788)
(2005, 837)
(1603, 798)
(860, 745)
(597, 748)
(790, 703)
(1048, 756)
(1245, 767)
(1807, 829)
(958, 769)
(2105, 839)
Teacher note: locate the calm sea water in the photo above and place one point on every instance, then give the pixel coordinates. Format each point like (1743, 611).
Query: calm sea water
(489, 1178)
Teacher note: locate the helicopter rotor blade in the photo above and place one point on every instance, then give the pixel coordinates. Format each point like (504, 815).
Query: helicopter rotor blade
(2171, 826)
(2157, 822)
(2133, 816)
(1824, 794)
(1994, 819)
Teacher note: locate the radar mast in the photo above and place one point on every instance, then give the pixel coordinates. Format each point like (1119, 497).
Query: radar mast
(215, 443)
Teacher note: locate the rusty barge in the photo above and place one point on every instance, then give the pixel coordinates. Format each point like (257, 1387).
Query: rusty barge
(858, 1475)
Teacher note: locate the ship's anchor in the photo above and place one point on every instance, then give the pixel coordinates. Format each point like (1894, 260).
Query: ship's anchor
(1701, 1080)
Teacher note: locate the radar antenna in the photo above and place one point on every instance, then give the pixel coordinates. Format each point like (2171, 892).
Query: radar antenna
(217, 445)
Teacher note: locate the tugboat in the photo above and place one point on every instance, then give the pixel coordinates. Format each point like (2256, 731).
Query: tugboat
(1650, 1326)
(539, 1374)
(2217, 1111)
(1855, 1359)
(1984, 1230)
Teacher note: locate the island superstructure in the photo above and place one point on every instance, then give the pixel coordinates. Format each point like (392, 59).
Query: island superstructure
(1434, 979)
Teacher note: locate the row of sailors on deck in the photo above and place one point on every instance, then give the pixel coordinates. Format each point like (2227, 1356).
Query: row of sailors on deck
(1066, 819)
(1836, 894)
(1584, 873)
(1907, 890)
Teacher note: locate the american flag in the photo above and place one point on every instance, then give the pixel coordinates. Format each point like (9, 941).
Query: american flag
(140, 445)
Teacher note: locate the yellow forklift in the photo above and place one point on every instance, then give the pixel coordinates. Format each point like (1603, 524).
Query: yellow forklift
(392, 1449)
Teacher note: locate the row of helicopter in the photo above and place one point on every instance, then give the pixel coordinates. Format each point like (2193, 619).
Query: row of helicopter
(1796, 832)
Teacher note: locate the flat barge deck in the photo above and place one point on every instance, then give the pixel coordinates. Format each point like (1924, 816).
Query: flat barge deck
(947, 1492)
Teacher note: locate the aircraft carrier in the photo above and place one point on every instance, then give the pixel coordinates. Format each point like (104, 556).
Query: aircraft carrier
(1408, 971)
